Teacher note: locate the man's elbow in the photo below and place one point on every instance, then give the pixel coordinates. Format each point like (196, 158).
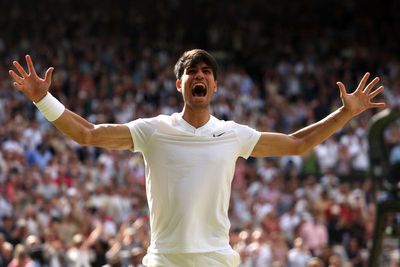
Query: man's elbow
(84, 138)
(301, 147)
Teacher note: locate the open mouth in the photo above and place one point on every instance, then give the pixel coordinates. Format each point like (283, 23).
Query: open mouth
(199, 90)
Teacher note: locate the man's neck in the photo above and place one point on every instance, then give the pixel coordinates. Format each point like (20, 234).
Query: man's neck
(196, 118)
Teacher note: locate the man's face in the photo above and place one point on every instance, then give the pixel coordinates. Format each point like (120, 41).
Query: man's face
(197, 86)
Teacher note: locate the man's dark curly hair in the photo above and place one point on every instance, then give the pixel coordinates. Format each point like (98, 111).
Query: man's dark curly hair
(192, 58)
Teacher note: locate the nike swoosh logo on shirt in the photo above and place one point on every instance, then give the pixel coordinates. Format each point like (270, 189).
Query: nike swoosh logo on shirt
(216, 135)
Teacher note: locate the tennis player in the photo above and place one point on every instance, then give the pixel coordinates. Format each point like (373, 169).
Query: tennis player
(190, 156)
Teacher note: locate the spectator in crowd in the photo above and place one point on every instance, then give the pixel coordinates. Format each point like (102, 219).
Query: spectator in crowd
(6, 253)
(21, 257)
(315, 262)
(314, 233)
(299, 255)
(35, 250)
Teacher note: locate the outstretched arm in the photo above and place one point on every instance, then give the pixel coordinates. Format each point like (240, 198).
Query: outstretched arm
(112, 136)
(276, 144)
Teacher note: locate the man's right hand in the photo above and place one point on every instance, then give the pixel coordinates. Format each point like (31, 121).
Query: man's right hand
(110, 136)
(30, 84)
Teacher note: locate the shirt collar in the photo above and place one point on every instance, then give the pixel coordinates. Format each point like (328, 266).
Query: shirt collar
(205, 130)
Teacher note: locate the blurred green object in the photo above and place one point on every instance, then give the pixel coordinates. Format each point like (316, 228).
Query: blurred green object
(387, 181)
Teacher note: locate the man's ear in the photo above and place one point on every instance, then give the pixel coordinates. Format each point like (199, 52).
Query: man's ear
(178, 85)
(216, 87)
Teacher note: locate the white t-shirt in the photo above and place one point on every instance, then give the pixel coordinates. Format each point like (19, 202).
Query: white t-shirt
(188, 179)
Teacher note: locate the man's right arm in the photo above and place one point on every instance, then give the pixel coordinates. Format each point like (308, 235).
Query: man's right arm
(112, 136)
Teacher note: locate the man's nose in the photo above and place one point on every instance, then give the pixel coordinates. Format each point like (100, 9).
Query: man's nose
(199, 75)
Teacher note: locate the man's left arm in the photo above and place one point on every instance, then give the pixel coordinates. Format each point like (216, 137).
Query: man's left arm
(276, 144)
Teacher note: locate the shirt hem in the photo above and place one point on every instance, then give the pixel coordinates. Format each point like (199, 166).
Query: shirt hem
(186, 250)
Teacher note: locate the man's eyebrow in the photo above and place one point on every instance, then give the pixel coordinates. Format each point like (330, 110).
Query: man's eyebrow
(194, 65)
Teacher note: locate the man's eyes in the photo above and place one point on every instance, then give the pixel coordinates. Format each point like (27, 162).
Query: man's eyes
(191, 71)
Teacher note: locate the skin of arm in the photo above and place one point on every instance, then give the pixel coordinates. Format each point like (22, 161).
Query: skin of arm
(111, 136)
(276, 144)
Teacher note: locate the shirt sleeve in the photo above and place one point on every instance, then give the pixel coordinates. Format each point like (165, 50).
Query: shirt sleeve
(248, 138)
(141, 132)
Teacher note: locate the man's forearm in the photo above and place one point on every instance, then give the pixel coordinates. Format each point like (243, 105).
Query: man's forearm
(316, 133)
(65, 120)
(73, 125)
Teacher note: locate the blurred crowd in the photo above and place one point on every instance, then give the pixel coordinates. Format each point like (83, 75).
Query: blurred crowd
(63, 205)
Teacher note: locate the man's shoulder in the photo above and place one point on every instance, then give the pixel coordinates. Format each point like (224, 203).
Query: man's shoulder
(149, 125)
(229, 124)
(221, 122)
(162, 118)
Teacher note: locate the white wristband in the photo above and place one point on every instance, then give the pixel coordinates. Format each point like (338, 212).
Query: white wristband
(50, 107)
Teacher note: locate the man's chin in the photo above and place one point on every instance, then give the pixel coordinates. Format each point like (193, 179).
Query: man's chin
(199, 99)
(199, 102)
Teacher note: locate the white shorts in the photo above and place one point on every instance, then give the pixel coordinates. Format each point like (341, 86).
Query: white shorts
(221, 258)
